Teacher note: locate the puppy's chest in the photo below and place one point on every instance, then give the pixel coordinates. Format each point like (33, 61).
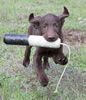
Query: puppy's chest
(48, 52)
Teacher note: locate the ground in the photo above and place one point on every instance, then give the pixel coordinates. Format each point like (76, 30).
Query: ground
(19, 83)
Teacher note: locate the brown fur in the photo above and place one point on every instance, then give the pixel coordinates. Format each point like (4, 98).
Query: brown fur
(50, 27)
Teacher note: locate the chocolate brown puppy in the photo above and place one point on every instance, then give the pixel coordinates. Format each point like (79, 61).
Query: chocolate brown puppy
(50, 27)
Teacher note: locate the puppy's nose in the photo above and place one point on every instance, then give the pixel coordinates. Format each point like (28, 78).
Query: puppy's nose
(51, 38)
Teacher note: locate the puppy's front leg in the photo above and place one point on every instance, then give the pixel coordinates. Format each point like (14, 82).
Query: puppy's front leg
(40, 71)
(26, 60)
(59, 58)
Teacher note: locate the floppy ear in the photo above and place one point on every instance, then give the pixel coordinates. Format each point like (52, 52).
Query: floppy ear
(65, 14)
(33, 19)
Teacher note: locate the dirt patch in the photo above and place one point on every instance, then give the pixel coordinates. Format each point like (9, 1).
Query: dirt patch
(74, 37)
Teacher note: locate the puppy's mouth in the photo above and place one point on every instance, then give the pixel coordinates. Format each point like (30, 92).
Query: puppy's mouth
(51, 39)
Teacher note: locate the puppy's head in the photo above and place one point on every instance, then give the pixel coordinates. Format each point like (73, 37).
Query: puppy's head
(49, 25)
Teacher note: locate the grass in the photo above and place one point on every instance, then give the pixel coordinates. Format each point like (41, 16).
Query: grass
(78, 58)
(18, 83)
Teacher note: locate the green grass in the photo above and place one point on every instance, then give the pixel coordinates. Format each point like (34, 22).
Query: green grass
(79, 58)
(18, 83)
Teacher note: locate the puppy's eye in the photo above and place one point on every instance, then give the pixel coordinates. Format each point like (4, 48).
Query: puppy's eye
(56, 25)
(45, 26)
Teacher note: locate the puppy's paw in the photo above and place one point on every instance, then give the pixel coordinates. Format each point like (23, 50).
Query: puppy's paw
(26, 63)
(63, 60)
(60, 59)
(43, 80)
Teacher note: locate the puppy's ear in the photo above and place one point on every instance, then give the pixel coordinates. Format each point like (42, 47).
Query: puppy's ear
(64, 14)
(33, 19)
